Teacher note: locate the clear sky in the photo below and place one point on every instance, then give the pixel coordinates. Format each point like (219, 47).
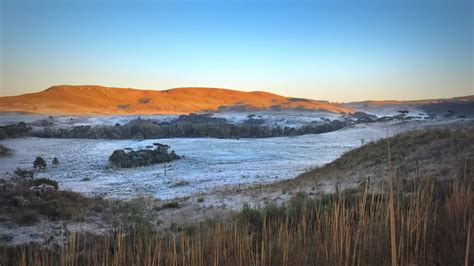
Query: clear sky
(332, 50)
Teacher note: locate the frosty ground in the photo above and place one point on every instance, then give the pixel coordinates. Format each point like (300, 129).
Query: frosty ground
(208, 164)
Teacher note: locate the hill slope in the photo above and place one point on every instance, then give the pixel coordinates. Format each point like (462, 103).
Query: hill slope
(454, 106)
(107, 101)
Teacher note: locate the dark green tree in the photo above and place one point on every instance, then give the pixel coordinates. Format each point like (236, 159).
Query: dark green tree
(39, 163)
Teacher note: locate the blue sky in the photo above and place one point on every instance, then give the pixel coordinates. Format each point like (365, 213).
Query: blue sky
(332, 50)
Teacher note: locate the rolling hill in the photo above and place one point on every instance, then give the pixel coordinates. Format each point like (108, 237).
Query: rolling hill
(463, 106)
(99, 100)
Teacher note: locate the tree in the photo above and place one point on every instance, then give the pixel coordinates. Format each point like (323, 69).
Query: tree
(39, 163)
(55, 161)
(403, 112)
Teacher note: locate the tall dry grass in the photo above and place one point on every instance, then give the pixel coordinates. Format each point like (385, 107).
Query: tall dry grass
(433, 225)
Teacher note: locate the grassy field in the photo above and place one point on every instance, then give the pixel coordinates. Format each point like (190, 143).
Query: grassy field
(432, 226)
(423, 216)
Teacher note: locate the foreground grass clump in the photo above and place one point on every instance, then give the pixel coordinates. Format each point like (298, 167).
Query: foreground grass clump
(33, 199)
(433, 226)
(26, 217)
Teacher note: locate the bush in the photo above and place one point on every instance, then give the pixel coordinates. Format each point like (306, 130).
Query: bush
(251, 217)
(39, 163)
(46, 181)
(132, 212)
(273, 211)
(296, 204)
(26, 217)
(170, 205)
(23, 176)
(57, 209)
(55, 161)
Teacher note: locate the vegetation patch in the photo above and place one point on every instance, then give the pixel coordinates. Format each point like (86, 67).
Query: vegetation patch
(4, 151)
(45, 181)
(433, 226)
(31, 198)
(129, 158)
(26, 217)
(14, 131)
(170, 205)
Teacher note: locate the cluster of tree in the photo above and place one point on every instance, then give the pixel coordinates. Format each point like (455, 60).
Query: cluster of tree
(450, 109)
(128, 158)
(14, 131)
(188, 126)
(200, 119)
(39, 163)
(148, 129)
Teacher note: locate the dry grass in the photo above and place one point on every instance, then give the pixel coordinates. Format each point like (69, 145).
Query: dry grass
(435, 152)
(432, 225)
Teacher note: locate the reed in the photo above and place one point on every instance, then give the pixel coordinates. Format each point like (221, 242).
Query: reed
(433, 226)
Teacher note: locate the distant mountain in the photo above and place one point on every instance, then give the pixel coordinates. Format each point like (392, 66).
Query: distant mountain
(85, 99)
(457, 106)
(411, 102)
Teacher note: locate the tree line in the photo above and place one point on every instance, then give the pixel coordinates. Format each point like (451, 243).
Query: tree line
(148, 129)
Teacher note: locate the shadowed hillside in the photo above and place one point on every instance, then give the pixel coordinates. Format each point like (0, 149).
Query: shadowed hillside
(104, 100)
(451, 107)
(437, 153)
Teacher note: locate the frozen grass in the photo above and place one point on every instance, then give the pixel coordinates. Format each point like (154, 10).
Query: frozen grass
(432, 225)
(207, 163)
(281, 118)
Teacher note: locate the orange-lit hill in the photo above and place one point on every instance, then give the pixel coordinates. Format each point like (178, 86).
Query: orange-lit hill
(99, 100)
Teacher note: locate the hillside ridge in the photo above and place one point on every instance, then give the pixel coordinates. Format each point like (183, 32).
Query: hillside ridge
(101, 100)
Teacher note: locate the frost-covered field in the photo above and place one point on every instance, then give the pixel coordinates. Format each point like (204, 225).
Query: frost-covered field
(208, 163)
(289, 118)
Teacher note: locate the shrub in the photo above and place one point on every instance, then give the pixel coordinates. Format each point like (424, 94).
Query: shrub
(26, 217)
(170, 205)
(273, 211)
(55, 161)
(57, 209)
(250, 216)
(23, 176)
(132, 212)
(46, 181)
(295, 205)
